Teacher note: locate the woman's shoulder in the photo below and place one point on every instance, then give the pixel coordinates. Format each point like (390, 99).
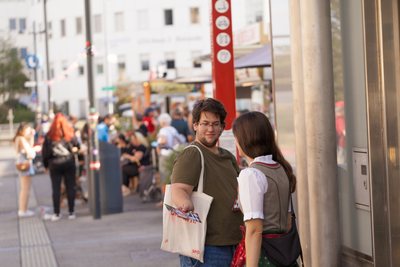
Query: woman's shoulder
(17, 139)
(251, 172)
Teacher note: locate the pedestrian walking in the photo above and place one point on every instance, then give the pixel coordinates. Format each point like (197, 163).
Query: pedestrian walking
(58, 157)
(220, 172)
(23, 142)
(265, 186)
(103, 128)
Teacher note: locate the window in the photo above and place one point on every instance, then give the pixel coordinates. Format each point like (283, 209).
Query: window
(81, 70)
(119, 21)
(259, 16)
(78, 22)
(195, 59)
(83, 107)
(99, 68)
(121, 66)
(23, 52)
(49, 30)
(170, 64)
(22, 25)
(12, 24)
(194, 15)
(168, 17)
(144, 62)
(170, 60)
(121, 63)
(62, 25)
(97, 24)
(142, 19)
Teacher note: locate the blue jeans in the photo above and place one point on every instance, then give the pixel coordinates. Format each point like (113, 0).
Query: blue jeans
(214, 256)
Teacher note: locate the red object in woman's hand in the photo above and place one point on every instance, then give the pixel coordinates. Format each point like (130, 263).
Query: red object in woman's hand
(239, 257)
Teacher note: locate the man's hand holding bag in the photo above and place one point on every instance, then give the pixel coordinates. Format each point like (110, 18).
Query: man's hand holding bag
(185, 232)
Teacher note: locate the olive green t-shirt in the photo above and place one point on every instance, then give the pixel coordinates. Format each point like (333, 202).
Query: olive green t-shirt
(220, 173)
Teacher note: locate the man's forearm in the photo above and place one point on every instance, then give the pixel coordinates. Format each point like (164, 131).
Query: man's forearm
(181, 198)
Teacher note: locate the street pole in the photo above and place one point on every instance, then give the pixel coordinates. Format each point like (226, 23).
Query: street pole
(37, 111)
(303, 213)
(93, 151)
(46, 42)
(319, 104)
(110, 104)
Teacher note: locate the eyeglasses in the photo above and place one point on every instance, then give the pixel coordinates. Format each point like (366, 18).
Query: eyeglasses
(207, 124)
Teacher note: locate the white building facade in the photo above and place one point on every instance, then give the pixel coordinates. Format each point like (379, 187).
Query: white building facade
(133, 41)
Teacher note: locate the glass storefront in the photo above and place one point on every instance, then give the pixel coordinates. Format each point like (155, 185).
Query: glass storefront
(366, 66)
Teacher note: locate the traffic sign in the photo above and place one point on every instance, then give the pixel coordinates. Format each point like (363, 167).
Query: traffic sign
(108, 88)
(30, 84)
(222, 59)
(32, 61)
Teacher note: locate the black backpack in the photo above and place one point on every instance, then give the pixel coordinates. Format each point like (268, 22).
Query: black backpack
(61, 149)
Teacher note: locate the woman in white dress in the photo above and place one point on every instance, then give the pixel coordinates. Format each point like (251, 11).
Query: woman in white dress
(23, 142)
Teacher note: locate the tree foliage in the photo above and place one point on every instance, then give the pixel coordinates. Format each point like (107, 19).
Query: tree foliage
(20, 111)
(12, 77)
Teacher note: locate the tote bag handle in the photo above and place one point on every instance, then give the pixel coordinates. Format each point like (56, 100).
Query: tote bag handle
(201, 179)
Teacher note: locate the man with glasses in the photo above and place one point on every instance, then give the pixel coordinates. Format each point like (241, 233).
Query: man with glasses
(220, 172)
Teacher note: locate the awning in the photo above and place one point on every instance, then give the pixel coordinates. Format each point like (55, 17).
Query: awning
(171, 87)
(194, 79)
(260, 57)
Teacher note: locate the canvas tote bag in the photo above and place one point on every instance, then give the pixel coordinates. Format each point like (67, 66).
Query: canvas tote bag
(185, 233)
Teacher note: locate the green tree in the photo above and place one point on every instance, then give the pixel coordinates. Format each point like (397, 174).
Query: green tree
(12, 77)
(21, 112)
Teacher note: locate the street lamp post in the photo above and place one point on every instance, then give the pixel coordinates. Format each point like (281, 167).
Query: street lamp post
(110, 104)
(35, 67)
(93, 151)
(46, 42)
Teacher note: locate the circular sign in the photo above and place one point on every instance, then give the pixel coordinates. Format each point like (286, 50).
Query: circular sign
(224, 56)
(221, 6)
(223, 39)
(32, 61)
(222, 23)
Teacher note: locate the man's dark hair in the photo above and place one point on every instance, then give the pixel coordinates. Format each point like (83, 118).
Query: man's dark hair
(108, 116)
(209, 105)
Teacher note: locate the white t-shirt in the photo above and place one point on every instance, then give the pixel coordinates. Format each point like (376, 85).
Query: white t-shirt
(252, 187)
(171, 136)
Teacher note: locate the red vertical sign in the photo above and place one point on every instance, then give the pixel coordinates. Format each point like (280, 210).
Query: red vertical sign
(222, 57)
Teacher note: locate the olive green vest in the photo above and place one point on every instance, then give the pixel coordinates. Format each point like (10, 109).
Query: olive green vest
(276, 199)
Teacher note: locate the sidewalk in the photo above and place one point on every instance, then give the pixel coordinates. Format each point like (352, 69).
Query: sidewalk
(131, 238)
